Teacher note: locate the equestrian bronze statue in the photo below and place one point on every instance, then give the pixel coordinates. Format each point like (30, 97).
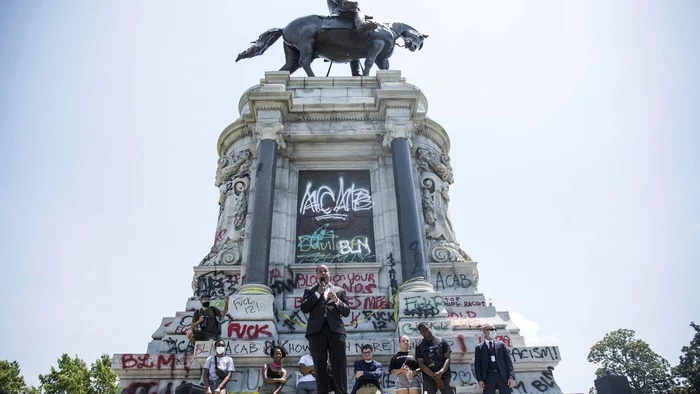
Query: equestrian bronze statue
(342, 37)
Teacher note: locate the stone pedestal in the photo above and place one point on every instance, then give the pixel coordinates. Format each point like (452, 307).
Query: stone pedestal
(351, 173)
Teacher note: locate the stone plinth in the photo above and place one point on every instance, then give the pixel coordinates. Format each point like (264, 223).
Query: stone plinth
(334, 202)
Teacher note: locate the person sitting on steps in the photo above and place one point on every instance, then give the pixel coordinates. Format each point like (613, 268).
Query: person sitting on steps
(205, 321)
(274, 375)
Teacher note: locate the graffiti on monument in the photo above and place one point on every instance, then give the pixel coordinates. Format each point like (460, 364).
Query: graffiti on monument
(334, 217)
(536, 382)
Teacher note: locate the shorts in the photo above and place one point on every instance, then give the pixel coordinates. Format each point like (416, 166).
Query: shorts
(200, 335)
(214, 383)
(369, 389)
(402, 382)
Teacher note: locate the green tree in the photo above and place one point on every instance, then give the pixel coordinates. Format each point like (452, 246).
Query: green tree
(688, 370)
(31, 390)
(72, 376)
(620, 353)
(11, 379)
(104, 380)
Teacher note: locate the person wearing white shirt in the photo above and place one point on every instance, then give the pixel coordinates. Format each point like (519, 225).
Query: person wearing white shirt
(218, 370)
(306, 383)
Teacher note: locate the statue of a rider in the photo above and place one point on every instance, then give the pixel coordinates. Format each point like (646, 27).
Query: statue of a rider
(350, 10)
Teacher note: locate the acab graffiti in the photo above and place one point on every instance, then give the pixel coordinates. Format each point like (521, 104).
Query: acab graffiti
(329, 202)
(334, 217)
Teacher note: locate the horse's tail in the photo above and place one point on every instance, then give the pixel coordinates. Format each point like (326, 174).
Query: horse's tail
(260, 46)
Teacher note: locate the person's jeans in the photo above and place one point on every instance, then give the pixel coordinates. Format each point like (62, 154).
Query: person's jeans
(307, 388)
(430, 386)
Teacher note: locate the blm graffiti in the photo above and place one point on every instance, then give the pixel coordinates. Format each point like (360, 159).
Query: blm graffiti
(334, 217)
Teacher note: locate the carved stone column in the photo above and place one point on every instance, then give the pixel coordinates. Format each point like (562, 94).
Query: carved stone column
(269, 136)
(413, 263)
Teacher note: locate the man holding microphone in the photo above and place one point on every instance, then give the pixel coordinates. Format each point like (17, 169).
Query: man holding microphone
(326, 305)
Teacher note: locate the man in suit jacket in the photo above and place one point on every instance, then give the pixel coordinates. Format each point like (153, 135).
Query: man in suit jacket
(493, 366)
(326, 305)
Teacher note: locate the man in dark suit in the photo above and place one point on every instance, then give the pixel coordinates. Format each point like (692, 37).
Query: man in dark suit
(493, 366)
(326, 305)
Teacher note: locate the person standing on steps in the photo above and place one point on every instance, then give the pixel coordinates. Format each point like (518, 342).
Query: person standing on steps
(326, 305)
(433, 356)
(406, 369)
(493, 367)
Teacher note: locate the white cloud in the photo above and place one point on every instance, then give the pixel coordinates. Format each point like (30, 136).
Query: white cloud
(531, 330)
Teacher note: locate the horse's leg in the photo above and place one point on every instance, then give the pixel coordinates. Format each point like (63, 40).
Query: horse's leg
(306, 55)
(355, 68)
(382, 63)
(374, 50)
(291, 56)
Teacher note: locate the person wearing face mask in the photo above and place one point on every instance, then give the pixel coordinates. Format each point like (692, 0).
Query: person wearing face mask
(493, 366)
(205, 321)
(326, 305)
(218, 370)
(368, 373)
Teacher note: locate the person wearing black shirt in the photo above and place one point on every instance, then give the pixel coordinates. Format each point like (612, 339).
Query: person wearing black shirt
(274, 375)
(433, 356)
(205, 321)
(405, 379)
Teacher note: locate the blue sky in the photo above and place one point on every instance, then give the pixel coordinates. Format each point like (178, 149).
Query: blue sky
(574, 147)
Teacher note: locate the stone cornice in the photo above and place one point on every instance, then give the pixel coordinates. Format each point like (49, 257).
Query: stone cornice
(389, 91)
(436, 133)
(234, 132)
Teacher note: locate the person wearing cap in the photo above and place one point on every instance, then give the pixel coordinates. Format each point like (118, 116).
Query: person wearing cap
(205, 321)
(493, 366)
(433, 356)
(326, 305)
(306, 383)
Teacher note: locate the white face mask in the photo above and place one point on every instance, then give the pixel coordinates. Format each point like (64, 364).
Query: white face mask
(220, 349)
(492, 334)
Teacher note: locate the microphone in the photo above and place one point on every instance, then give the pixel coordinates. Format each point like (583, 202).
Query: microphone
(322, 283)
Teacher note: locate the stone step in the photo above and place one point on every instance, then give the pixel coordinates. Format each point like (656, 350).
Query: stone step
(156, 372)
(462, 346)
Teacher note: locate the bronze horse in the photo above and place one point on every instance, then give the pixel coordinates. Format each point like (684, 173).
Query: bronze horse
(306, 39)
